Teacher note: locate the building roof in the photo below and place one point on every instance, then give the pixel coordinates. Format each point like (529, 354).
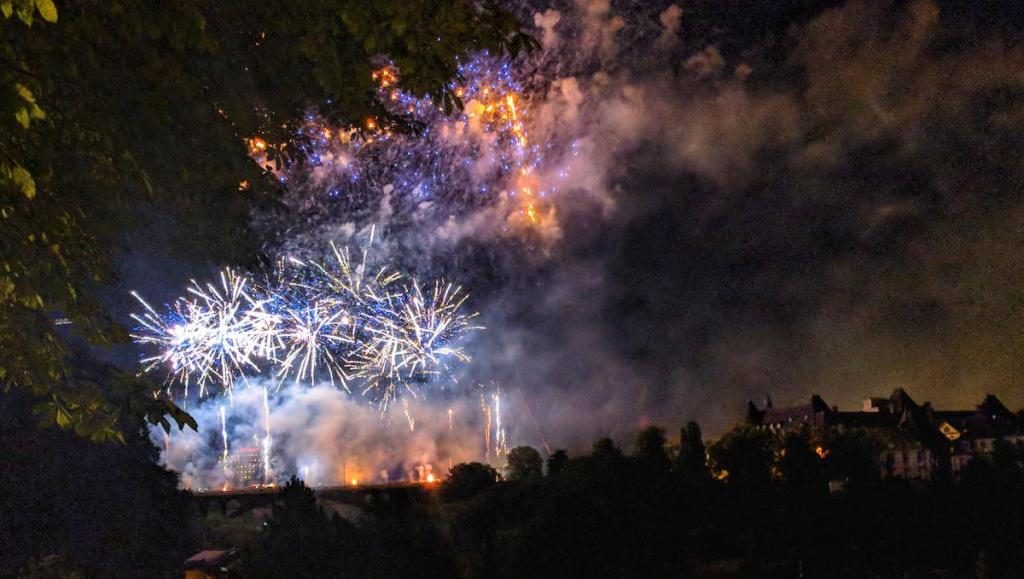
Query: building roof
(801, 413)
(900, 414)
(210, 559)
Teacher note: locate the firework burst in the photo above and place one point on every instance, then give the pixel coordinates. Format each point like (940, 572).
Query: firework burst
(206, 335)
(311, 321)
(454, 162)
(413, 338)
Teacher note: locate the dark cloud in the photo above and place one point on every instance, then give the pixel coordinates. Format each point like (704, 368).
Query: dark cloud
(846, 220)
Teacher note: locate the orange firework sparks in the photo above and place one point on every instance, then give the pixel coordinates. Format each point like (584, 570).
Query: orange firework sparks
(502, 113)
(385, 77)
(517, 126)
(493, 124)
(531, 213)
(257, 145)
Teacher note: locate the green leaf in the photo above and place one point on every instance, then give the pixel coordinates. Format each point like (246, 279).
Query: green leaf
(22, 117)
(25, 93)
(84, 429)
(184, 419)
(23, 180)
(25, 12)
(7, 8)
(47, 10)
(46, 417)
(146, 182)
(6, 288)
(63, 419)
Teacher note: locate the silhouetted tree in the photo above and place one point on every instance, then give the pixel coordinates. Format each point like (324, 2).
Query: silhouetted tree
(467, 479)
(649, 448)
(561, 527)
(855, 457)
(1007, 458)
(605, 449)
(800, 465)
(300, 540)
(691, 464)
(557, 462)
(743, 456)
(405, 544)
(103, 510)
(524, 463)
(50, 567)
(994, 513)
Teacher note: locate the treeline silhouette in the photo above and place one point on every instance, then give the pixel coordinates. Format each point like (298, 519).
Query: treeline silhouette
(752, 504)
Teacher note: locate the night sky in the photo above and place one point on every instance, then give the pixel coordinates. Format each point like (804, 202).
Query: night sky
(794, 199)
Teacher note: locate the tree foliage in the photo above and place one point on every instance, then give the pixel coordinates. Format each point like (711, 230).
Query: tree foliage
(71, 507)
(744, 456)
(650, 449)
(609, 515)
(854, 457)
(691, 463)
(467, 480)
(605, 450)
(109, 106)
(524, 463)
(557, 461)
(800, 465)
(301, 540)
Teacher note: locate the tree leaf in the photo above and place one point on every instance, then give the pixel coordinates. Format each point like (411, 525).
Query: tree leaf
(25, 93)
(22, 117)
(25, 12)
(47, 10)
(62, 417)
(23, 180)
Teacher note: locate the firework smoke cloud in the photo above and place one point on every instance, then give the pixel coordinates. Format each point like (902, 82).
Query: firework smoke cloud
(654, 224)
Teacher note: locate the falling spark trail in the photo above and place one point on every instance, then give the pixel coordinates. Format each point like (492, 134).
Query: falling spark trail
(408, 417)
(529, 413)
(500, 442)
(267, 439)
(487, 427)
(224, 439)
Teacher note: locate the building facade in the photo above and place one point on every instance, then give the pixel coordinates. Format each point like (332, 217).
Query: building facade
(920, 441)
(245, 467)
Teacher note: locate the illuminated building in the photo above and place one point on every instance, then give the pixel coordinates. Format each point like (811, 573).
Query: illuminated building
(245, 467)
(921, 442)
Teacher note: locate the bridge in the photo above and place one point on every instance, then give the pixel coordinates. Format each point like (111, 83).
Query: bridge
(392, 496)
